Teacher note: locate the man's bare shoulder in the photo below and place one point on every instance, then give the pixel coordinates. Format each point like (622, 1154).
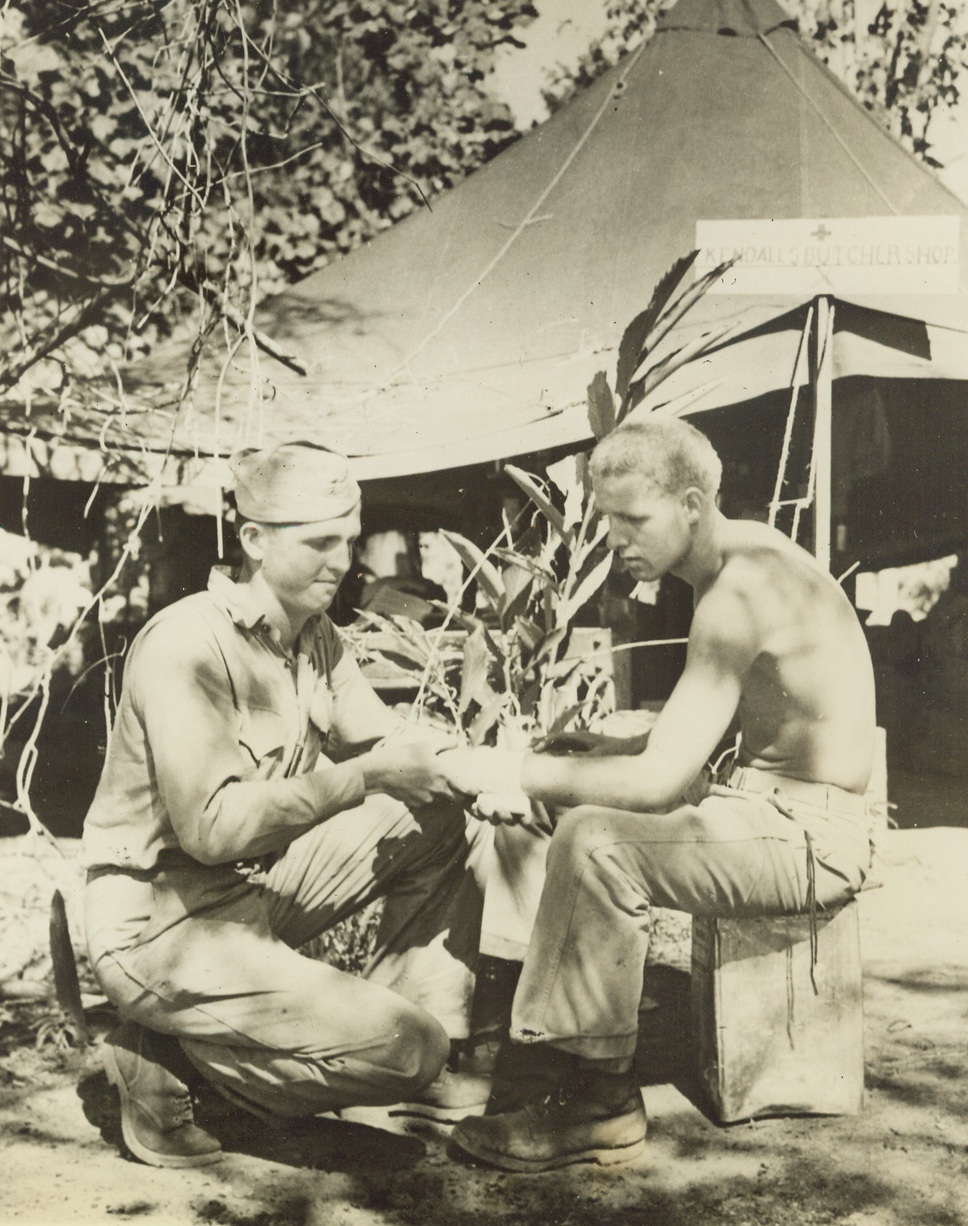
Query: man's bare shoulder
(764, 579)
(727, 615)
(758, 560)
(758, 544)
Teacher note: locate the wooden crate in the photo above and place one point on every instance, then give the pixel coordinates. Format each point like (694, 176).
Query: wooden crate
(766, 1043)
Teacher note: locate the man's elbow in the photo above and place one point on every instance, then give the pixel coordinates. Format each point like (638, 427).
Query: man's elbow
(642, 792)
(207, 852)
(208, 838)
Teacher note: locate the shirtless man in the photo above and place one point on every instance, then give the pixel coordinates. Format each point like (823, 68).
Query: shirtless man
(774, 644)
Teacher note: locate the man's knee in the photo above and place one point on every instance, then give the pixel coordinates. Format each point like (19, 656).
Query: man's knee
(405, 1056)
(417, 1051)
(580, 833)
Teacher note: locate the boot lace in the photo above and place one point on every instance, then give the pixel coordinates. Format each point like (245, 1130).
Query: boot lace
(181, 1110)
(554, 1102)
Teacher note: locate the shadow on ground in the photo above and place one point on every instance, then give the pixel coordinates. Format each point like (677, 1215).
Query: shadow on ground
(322, 1143)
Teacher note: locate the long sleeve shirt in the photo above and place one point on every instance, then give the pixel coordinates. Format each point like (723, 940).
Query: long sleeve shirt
(223, 746)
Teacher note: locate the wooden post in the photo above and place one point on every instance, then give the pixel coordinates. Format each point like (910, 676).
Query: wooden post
(823, 427)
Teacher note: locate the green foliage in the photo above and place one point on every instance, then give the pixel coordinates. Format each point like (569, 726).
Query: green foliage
(168, 163)
(41, 592)
(511, 672)
(349, 944)
(904, 66)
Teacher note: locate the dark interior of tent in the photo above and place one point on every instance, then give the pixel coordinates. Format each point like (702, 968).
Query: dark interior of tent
(898, 493)
(900, 453)
(900, 458)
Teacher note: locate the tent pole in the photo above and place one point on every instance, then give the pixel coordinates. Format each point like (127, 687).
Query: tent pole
(823, 428)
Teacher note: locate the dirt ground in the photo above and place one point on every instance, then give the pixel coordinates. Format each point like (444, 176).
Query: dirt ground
(902, 1162)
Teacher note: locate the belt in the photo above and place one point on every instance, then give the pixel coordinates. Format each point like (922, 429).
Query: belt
(822, 795)
(115, 870)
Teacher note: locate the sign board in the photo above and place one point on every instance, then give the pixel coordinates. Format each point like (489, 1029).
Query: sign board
(838, 255)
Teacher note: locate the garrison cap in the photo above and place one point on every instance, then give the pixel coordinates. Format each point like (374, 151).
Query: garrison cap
(293, 483)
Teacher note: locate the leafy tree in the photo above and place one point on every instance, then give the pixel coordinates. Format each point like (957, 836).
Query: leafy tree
(904, 66)
(168, 163)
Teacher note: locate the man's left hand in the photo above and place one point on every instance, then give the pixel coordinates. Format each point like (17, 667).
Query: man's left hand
(408, 772)
(513, 809)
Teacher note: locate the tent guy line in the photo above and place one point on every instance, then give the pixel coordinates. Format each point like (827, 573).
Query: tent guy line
(527, 220)
(811, 102)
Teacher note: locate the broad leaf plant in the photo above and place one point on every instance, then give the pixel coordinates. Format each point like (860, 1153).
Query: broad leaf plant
(510, 672)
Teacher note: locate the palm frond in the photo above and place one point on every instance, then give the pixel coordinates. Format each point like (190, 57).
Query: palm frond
(638, 331)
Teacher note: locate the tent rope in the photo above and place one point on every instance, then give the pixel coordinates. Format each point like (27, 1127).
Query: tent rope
(798, 383)
(828, 125)
(530, 218)
(826, 322)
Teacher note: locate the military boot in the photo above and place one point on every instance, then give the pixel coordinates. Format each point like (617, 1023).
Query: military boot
(590, 1118)
(157, 1121)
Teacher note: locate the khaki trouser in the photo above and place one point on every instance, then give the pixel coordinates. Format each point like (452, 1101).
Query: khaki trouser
(762, 845)
(208, 954)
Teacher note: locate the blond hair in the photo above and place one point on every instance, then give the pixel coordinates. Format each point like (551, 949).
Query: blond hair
(667, 451)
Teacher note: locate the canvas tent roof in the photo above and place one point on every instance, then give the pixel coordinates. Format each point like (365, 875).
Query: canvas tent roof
(470, 331)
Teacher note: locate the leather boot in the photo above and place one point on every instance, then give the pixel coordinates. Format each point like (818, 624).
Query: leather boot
(526, 1072)
(461, 1088)
(497, 981)
(590, 1119)
(156, 1108)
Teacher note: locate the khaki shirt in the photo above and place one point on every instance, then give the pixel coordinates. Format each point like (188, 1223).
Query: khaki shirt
(223, 743)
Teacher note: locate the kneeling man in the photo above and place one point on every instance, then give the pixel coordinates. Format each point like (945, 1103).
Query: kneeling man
(774, 644)
(255, 792)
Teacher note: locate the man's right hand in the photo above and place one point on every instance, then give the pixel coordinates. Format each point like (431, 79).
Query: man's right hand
(408, 772)
(513, 809)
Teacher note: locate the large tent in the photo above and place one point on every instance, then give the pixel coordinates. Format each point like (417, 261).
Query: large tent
(469, 331)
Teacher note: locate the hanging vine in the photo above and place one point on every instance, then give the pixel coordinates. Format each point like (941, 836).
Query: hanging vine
(165, 165)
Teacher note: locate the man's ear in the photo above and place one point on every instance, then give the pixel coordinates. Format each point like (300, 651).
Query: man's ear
(693, 500)
(252, 538)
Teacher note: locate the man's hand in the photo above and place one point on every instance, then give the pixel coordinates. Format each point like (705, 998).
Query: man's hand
(493, 778)
(513, 809)
(473, 771)
(409, 772)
